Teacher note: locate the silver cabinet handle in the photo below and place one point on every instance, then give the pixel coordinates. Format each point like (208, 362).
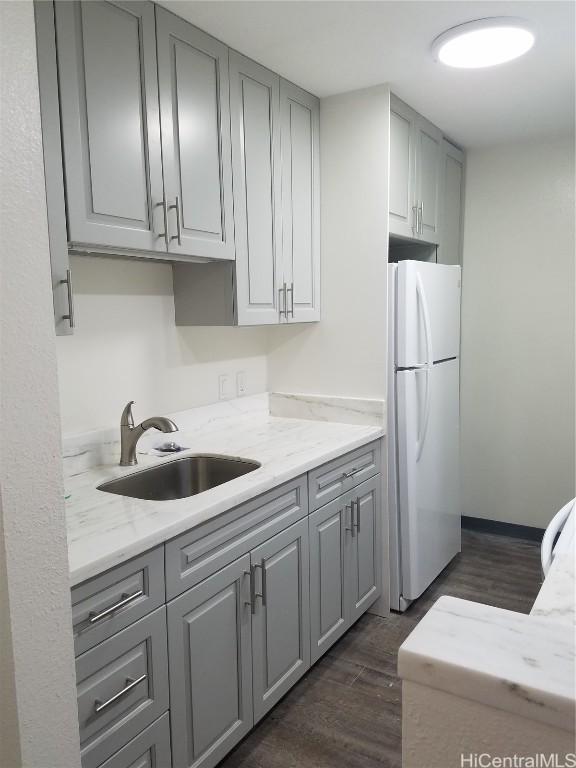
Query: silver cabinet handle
(415, 210)
(351, 528)
(126, 599)
(70, 315)
(176, 207)
(261, 594)
(352, 472)
(291, 292)
(357, 514)
(250, 600)
(421, 217)
(282, 293)
(165, 234)
(130, 683)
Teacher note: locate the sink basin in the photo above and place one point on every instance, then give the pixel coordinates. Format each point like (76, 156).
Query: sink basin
(180, 478)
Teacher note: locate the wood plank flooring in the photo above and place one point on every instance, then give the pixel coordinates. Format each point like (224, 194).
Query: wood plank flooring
(346, 712)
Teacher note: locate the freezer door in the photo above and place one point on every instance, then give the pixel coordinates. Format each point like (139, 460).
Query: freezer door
(427, 313)
(428, 473)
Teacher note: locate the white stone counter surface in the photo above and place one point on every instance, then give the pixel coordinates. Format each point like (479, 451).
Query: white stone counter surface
(522, 664)
(105, 529)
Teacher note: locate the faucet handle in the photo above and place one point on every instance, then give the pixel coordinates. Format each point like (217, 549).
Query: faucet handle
(127, 420)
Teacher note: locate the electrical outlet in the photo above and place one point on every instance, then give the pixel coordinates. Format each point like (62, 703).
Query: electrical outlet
(241, 383)
(224, 386)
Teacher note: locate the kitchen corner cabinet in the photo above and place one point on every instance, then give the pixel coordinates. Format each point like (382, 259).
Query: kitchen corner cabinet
(415, 166)
(451, 200)
(276, 160)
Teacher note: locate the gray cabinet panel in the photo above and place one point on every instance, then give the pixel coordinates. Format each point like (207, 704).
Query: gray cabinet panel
(300, 116)
(106, 604)
(451, 201)
(53, 168)
(110, 124)
(197, 554)
(255, 117)
(122, 687)
(402, 194)
(150, 749)
(365, 546)
(428, 149)
(209, 637)
(336, 477)
(195, 129)
(330, 529)
(281, 619)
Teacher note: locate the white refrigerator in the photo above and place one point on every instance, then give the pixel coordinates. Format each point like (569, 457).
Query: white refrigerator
(423, 425)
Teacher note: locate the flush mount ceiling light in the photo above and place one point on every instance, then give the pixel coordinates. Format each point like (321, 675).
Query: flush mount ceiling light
(483, 43)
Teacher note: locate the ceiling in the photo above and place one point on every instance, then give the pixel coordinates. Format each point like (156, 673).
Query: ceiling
(332, 47)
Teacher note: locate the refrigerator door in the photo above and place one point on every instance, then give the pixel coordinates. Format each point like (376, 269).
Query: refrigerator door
(427, 313)
(428, 472)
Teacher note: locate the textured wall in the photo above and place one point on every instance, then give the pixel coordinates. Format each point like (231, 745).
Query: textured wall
(40, 695)
(518, 332)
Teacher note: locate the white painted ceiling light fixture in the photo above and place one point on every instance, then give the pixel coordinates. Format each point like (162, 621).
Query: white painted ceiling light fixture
(483, 43)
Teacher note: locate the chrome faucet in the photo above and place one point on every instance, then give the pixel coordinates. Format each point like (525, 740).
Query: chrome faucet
(129, 434)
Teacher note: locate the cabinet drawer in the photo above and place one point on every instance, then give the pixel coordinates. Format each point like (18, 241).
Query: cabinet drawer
(340, 475)
(150, 749)
(106, 604)
(204, 550)
(122, 686)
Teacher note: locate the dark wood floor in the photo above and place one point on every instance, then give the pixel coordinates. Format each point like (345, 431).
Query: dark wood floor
(345, 713)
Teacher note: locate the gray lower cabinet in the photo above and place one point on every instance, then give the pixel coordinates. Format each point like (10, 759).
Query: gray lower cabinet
(210, 652)
(345, 562)
(150, 749)
(122, 686)
(281, 615)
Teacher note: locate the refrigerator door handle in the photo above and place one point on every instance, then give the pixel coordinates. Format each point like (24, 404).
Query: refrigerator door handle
(421, 296)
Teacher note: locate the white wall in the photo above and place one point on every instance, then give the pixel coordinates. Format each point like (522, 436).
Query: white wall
(38, 717)
(518, 332)
(345, 354)
(127, 347)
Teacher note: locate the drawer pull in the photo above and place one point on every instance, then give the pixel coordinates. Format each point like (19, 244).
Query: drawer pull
(126, 599)
(130, 683)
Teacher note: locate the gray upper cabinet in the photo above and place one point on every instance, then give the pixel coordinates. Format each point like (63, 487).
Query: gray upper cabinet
(210, 662)
(415, 170)
(427, 180)
(451, 200)
(281, 615)
(402, 204)
(110, 124)
(195, 128)
(255, 116)
(300, 139)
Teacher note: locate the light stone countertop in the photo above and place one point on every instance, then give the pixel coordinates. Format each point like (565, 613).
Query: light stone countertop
(105, 529)
(511, 661)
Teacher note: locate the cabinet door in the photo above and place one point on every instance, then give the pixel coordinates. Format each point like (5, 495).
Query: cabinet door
(300, 115)
(195, 127)
(428, 153)
(451, 209)
(110, 124)
(210, 663)
(255, 119)
(365, 558)
(281, 618)
(402, 200)
(330, 529)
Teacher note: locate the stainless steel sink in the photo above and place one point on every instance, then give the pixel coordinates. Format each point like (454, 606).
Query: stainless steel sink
(180, 478)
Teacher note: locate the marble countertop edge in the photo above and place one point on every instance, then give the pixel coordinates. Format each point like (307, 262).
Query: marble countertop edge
(514, 662)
